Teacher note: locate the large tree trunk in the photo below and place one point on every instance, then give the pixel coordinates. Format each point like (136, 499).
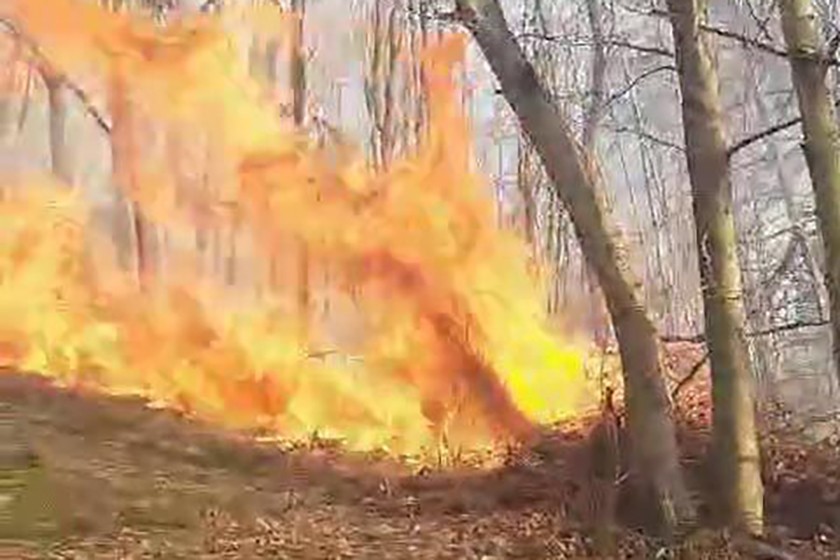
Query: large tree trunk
(655, 454)
(822, 141)
(736, 454)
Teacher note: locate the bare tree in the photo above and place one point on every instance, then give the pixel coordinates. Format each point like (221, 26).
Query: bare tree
(297, 65)
(124, 153)
(822, 140)
(736, 454)
(577, 184)
(385, 46)
(59, 150)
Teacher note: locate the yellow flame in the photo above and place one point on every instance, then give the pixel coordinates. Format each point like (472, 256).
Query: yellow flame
(451, 330)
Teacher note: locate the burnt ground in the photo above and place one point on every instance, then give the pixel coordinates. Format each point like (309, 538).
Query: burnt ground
(116, 479)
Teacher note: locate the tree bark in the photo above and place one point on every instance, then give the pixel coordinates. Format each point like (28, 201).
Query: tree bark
(735, 444)
(821, 143)
(577, 184)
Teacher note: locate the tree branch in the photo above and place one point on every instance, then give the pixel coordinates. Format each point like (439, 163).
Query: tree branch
(613, 42)
(827, 59)
(758, 136)
(744, 40)
(695, 369)
(700, 338)
(52, 70)
(635, 81)
(647, 136)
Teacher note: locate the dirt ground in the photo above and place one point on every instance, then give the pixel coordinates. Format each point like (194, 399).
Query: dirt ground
(116, 479)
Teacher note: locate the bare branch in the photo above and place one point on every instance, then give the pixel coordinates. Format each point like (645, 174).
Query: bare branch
(760, 23)
(50, 68)
(647, 136)
(769, 48)
(635, 81)
(797, 325)
(613, 42)
(758, 136)
(744, 40)
(692, 373)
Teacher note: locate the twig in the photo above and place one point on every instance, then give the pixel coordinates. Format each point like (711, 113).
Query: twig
(695, 369)
(51, 69)
(752, 139)
(826, 59)
(761, 23)
(758, 136)
(744, 40)
(789, 327)
(648, 136)
(634, 82)
(613, 42)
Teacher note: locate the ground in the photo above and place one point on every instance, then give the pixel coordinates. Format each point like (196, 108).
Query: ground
(117, 479)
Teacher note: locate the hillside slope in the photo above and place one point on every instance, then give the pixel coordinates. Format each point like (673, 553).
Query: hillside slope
(110, 477)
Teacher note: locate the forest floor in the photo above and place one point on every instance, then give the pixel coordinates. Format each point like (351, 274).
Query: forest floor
(116, 479)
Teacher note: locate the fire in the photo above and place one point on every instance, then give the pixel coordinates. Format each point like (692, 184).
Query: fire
(435, 300)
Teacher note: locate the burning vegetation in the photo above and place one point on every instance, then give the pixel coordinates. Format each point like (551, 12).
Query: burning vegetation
(436, 301)
(264, 342)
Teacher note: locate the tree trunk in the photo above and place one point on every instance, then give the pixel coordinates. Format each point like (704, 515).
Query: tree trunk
(821, 144)
(735, 448)
(597, 313)
(124, 161)
(59, 153)
(573, 175)
(298, 69)
(380, 80)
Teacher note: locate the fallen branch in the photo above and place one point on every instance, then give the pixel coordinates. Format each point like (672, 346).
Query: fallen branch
(695, 369)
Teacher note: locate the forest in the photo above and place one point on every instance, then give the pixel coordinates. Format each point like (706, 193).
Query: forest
(473, 279)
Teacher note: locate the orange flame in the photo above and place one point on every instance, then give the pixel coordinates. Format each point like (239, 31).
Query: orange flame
(445, 315)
